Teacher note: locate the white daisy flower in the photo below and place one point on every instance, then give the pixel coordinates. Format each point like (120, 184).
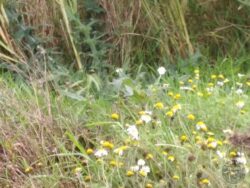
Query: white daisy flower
(145, 169)
(239, 91)
(134, 168)
(101, 152)
(146, 118)
(133, 132)
(161, 70)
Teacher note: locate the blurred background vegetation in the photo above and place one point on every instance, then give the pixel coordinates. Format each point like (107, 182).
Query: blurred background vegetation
(96, 35)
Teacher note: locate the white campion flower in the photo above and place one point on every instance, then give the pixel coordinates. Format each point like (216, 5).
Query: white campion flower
(239, 91)
(161, 71)
(133, 132)
(101, 152)
(119, 70)
(141, 162)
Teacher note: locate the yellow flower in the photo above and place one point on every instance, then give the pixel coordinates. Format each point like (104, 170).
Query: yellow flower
(181, 83)
(115, 116)
(115, 163)
(130, 173)
(159, 105)
(142, 173)
(149, 185)
(170, 93)
(28, 169)
(200, 94)
(221, 76)
(107, 144)
(170, 113)
(77, 170)
(191, 117)
(220, 143)
(190, 81)
(210, 139)
(210, 84)
(212, 145)
(204, 181)
(232, 154)
(171, 158)
(89, 151)
(164, 153)
(198, 138)
(149, 156)
(242, 111)
(184, 138)
(142, 112)
(176, 177)
(139, 122)
(213, 76)
(87, 178)
(194, 132)
(177, 96)
(194, 86)
(201, 126)
(248, 83)
(176, 108)
(210, 133)
(196, 71)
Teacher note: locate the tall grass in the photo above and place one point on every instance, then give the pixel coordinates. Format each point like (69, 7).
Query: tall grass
(102, 32)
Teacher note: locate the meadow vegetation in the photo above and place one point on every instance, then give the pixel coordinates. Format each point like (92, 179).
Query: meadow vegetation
(124, 94)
